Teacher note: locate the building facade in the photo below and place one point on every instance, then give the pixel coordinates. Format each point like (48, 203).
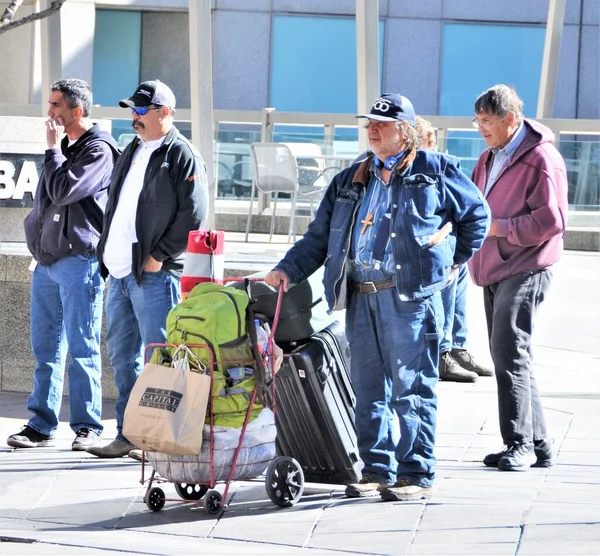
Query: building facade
(300, 55)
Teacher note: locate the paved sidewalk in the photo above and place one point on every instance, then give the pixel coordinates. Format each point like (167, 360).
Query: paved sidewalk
(54, 501)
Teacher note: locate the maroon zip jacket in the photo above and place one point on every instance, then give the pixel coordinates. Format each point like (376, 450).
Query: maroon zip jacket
(529, 203)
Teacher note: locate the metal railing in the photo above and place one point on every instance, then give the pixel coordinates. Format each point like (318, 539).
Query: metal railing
(577, 139)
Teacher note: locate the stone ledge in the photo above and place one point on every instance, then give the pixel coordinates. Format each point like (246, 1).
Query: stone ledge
(582, 239)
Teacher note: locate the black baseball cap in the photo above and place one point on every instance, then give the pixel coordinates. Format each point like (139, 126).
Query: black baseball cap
(391, 107)
(150, 92)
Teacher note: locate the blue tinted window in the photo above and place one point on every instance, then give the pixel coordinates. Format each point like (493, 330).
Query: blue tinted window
(313, 65)
(117, 41)
(477, 57)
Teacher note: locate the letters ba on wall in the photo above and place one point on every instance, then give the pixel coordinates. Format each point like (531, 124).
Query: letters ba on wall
(19, 175)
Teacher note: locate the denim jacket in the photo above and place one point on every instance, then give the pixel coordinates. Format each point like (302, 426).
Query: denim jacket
(430, 193)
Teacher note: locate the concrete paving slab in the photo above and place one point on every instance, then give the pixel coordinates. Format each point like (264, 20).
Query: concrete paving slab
(36, 548)
(477, 549)
(159, 544)
(461, 516)
(578, 458)
(176, 519)
(480, 492)
(569, 492)
(561, 538)
(585, 426)
(581, 445)
(488, 476)
(583, 474)
(466, 536)
(372, 515)
(565, 512)
(371, 542)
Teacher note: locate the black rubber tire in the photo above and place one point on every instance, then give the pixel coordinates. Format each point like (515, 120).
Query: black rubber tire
(189, 491)
(213, 502)
(284, 481)
(155, 500)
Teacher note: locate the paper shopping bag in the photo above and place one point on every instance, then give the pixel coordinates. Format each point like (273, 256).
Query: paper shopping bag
(166, 410)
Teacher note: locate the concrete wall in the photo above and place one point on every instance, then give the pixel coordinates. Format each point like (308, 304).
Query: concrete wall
(16, 359)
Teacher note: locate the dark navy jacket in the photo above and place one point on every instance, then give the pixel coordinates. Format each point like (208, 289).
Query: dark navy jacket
(432, 192)
(70, 198)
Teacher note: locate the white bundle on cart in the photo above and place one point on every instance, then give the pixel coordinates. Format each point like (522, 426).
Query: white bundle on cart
(256, 452)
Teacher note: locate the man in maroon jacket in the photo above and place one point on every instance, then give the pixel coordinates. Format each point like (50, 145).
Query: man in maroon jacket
(524, 180)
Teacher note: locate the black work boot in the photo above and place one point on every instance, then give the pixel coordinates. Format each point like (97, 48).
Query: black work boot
(518, 457)
(450, 370)
(543, 453)
(468, 362)
(542, 449)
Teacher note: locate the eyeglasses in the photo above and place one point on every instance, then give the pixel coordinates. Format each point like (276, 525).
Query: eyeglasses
(376, 123)
(483, 123)
(143, 110)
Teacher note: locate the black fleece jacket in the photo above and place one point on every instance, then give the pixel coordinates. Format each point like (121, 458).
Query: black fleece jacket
(173, 202)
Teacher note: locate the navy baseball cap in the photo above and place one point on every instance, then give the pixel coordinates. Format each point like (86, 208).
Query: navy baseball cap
(150, 93)
(391, 107)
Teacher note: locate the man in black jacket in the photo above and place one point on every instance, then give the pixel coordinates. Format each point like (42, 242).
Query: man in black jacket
(62, 232)
(158, 194)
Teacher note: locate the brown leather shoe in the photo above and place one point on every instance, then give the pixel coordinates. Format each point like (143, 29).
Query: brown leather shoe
(451, 371)
(404, 490)
(116, 449)
(468, 362)
(365, 488)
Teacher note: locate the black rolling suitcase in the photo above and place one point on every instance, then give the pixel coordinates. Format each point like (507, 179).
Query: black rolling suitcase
(315, 409)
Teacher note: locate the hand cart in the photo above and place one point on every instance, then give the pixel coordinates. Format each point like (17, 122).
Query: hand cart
(284, 478)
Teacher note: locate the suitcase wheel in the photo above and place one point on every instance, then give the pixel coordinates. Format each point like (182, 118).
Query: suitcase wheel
(155, 499)
(212, 502)
(284, 481)
(190, 491)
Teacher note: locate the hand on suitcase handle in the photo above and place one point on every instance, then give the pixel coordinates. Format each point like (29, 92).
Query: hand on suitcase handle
(277, 278)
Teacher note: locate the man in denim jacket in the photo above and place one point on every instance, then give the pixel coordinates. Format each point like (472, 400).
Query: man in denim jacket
(390, 231)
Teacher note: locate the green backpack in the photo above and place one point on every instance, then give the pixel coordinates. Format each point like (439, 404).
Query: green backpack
(217, 316)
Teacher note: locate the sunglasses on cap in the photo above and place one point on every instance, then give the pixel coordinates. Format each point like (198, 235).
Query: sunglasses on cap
(143, 110)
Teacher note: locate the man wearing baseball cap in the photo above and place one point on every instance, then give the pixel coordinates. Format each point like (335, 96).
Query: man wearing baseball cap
(158, 194)
(392, 229)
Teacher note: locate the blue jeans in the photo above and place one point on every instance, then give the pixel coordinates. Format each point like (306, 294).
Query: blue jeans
(136, 316)
(394, 367)
(454, 301)
(510, 308)
(66, 316)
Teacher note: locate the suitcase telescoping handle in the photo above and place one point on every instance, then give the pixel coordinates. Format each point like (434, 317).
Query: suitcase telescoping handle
(330, 358)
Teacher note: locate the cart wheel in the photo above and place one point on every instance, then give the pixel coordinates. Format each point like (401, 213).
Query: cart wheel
(212, 502)
(155, 500)
(190, 491)
(285, 481)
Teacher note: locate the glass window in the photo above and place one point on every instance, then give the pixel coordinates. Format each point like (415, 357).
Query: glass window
(313, 64)
(117, 40)
(477, 57)
(582, 158)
